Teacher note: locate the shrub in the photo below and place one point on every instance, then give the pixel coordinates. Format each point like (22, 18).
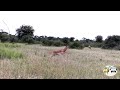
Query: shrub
(76, 45)
(50, 42)
(99, 38)
(28, 39)
(97, 44)
(117, 47)
(37, 42)
(58, 43)
(111, 42)
(65, 40)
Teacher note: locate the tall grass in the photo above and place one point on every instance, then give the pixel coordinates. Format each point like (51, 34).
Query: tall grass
(9, 45)
(6, 51)
(74, 64)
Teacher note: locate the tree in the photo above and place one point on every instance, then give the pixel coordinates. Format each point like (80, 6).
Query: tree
(4, 36)
(111, 42)
(50, 38)
(72, 39)
(65, 40)
(25, 30)
(27, 39)
(99, 38)
(13, 38)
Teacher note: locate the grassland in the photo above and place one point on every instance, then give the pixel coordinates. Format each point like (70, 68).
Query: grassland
(37, 63)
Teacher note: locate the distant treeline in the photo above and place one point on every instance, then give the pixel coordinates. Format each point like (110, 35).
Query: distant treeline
(25, 34)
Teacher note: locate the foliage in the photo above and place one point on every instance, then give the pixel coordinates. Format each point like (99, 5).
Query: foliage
(99, 38)
(76, 45)
(72, 39)
(111, 42)
(97, 44)
(65, 40)
(13, 39)
(4, 37)
(27, 39)
(25, 34)
(58, 43)
(25, 30)
(6, 51)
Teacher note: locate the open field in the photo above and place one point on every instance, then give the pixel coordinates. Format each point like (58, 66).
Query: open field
(37, 63)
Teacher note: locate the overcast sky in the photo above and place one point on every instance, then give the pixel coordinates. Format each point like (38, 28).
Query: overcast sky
(76, 24)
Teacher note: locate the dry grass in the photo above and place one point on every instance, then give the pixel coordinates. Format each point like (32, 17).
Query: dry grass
(74, 64)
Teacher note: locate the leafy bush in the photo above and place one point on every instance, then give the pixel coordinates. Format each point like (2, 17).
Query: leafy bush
(76, 45)
(47, 42)
(4, 37)
(27, 39)
(99, 38)
(13, 39)
(117, 47)
(50, 42)
(65, 40)
(111, 42)
(58, 43)
(37, 42)
(97, 44)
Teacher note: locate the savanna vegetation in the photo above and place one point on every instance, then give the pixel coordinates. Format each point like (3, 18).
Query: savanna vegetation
(25, 34)
(25, 55)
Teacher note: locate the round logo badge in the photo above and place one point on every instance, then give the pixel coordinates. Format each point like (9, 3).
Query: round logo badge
(110, 70)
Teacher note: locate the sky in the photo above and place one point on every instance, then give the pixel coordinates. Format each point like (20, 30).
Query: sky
(76, 24)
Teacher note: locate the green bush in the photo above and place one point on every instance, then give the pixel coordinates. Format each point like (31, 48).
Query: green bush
(58, 43)
(112, 42)
(4, 37)
(65, 40)
(37, 42)
(76, 45)
(86, 44)
(99, 39)
(44, 42)
(97, 44)
(50, 42)
(117, 47)
(27, 39)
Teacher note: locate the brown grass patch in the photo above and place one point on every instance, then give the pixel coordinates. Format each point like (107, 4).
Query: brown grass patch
(74, 64)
